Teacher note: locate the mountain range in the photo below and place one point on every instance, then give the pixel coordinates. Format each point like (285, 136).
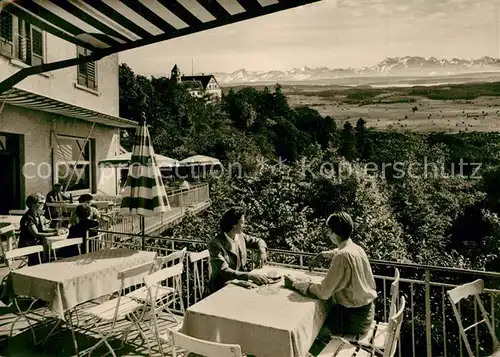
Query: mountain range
(408, 66)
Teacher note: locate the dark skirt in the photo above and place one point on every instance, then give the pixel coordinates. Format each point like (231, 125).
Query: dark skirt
(342, 320)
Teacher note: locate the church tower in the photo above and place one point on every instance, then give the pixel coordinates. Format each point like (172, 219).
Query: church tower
(175, 74)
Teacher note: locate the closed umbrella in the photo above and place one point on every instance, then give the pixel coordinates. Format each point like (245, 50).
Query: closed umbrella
(145, 194)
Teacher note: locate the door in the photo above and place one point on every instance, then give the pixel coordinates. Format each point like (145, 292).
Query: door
(11, 179)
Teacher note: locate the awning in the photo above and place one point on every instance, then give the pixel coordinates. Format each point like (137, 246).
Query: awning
(125, 24)
(124, 159)
(25, 99)
(111, 26)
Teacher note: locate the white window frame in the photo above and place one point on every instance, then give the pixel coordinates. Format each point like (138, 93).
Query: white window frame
(89, 163)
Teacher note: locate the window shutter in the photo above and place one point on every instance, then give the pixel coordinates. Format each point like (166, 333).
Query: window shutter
(91, 75)
(36, 46)
(6, 33)
(87, 72)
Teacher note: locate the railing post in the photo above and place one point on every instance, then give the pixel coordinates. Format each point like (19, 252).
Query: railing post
(428, 332)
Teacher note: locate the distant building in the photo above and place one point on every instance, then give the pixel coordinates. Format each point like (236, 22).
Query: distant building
(198, 86)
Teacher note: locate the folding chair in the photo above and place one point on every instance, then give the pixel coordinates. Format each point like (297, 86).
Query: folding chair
(60, 209)
(164, 291)
(199, 277)
(201, 347)
(377, 335)
(54, 246)
(10, 256)
(152, 284)
(463, 292)
(339, 347)
(120, 308)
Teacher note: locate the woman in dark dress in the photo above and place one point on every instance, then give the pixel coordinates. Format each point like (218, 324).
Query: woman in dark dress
(32, 230)
(84, 225)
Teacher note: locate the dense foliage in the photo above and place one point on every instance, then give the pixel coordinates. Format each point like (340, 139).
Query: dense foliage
(426, 199)
(409, 198)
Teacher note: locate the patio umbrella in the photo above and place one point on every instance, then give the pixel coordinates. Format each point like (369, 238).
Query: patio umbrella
(200, 160)
(145, 193)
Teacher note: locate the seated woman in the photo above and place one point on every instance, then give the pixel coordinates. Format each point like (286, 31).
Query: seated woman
(349, 283)
(84, 225)
(228, 252)
(85, 199)
(32, 229)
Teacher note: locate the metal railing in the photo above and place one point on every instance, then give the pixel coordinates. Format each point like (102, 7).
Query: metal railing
(194, 199)
(429, 326)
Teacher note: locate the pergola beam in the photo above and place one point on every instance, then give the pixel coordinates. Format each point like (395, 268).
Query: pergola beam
(17, 77)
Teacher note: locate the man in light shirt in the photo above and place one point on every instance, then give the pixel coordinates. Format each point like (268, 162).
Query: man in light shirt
(349, 283)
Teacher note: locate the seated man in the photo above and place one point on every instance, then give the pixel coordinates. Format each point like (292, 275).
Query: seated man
(349, 282)
(228, 253)
(54, 196)
(85, 200)
(84, 225)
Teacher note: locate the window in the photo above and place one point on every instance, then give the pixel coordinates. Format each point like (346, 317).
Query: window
(87, 75)
(73, 163)
(21, 40)
(6, 35)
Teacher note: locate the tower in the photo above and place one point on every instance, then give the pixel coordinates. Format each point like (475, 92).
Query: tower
(175, 74)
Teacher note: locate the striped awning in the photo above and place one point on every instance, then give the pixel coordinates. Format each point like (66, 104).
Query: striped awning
(25, 99)
(145, 193)
(118, 25)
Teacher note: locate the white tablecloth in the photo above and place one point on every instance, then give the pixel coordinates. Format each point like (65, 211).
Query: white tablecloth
(72, 281)
(15, 220)
(284, 324)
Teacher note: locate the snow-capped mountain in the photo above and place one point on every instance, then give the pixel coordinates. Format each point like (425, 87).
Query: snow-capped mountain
(408, 66)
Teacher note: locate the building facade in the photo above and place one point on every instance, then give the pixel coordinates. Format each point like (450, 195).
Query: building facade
(56, 126)
(200, 85)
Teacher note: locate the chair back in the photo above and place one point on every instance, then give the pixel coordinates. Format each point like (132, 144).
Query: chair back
(66, 243)
(394, 330)
(171, 259)
(163, 274)
(198, 260)
(22, 252)
(135, 275)
(475, 288)
(394, 294)
(17, 212)
(201, 347)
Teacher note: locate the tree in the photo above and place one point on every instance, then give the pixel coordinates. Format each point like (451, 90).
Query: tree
(347, 142)
(364, 145)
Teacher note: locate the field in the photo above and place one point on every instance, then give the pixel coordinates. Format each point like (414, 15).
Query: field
(446, 108)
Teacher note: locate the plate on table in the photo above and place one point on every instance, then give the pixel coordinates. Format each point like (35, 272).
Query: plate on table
(274, 276)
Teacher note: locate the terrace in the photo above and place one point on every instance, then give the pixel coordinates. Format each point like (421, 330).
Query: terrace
(429, 327)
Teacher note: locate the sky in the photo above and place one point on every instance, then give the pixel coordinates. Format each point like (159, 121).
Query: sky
(332, 33)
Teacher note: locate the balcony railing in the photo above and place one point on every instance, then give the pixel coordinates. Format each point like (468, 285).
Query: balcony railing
(429, 326)
(194, 199)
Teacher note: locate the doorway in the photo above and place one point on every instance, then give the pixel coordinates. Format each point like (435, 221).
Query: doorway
(11, 179)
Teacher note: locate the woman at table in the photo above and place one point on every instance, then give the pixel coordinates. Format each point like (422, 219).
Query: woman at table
(228, 253)
(85, 200)
(349, 282)
(32, 229)
(85, 224)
